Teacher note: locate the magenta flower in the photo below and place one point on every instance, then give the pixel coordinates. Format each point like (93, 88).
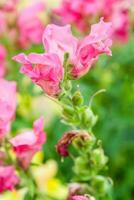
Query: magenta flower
(28, 143)
(44, 69)
(2, 60)
(8, 178)
(30, 25)
(79, 197)
(7, 105)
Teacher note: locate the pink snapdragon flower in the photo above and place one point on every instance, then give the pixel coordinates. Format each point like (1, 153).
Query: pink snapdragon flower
(28, 143)
(59, 40)
(2, 60)
(78, 197)
(44, 69)
(82, 52)
(7, 105)
(8, 178)
(30, 25)
(96, 43)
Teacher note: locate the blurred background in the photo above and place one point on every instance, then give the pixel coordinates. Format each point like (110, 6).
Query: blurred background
(115, 108)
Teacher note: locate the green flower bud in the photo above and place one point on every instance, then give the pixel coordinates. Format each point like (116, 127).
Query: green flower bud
(101, 185)
(84, 141)
(88, 118)
(83, 168)
(67, 85)
(77, 99)
(99, 159)
(68, 111)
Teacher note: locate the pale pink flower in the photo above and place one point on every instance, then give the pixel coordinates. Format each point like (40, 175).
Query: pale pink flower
(44, 69)
(7, 105)
(28, 143)
(59, 40)
(2, 60)
(8, 178)
(30, 25)
(96, 43)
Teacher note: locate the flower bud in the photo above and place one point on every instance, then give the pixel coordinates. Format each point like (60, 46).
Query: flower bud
(68, 111)
(88, 118)
(99, 158)
(101, 185)
(77, 99)
(83, 168)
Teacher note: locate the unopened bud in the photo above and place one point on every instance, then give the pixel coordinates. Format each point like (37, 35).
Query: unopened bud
(88, 118)
(99, 158)
(101, 185)
(77, 98)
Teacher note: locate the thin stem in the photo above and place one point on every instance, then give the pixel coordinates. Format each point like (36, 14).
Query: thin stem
(95, 94)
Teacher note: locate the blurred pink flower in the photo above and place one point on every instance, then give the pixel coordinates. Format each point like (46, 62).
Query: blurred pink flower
(28, 143)
(81, 13)
(79, 197)
(7, 105)
(96, 43)
(2, 60)
(9, 5)
(30, 25)
(118, 13)
(59, 40)
(8, 178)
(44, 69)
(77, 12)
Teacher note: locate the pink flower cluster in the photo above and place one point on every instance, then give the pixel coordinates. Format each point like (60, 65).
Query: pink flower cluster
(2, 60)
(7, 105)
(47, 70)
(8, 178)
(81, 13)
(24, 26)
